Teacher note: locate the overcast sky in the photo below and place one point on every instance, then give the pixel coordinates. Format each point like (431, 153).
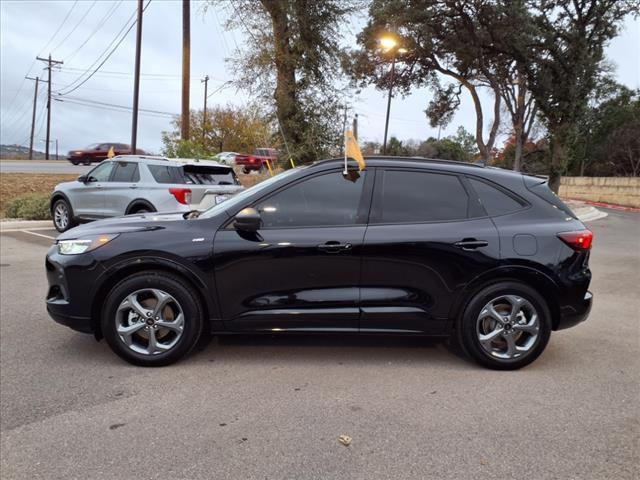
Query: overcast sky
(78, 32)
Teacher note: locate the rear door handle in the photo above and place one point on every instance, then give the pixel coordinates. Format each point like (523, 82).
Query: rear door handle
(334, 247)
(133, 186)
(470, 244)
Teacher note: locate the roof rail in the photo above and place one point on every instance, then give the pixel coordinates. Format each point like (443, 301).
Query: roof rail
(407, 159)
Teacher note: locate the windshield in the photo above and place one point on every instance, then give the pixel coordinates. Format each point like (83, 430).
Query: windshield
(240, 197)
(92, 146)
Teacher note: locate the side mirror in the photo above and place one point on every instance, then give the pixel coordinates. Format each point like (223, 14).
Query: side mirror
(248, 220)
(83, 179)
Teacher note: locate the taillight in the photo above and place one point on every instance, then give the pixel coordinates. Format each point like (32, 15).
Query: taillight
(579, 240)
(183, 195)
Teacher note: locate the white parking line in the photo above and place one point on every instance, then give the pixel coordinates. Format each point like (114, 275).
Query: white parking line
(38, 234)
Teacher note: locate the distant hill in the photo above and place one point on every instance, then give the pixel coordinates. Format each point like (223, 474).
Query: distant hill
(18, 152)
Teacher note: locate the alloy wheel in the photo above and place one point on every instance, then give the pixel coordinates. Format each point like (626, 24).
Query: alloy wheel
(61, 216)
(149, 321)
(508, 327)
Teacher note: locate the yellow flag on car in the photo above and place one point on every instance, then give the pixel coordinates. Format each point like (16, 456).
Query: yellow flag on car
(352, 149)
(111, 153)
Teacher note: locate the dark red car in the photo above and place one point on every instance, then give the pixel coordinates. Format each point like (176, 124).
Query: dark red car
(258, 160)
(98, 151)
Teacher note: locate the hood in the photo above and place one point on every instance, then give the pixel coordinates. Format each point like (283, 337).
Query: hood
(128, 223)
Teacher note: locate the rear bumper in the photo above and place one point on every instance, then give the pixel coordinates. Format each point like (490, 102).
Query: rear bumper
(573, 315)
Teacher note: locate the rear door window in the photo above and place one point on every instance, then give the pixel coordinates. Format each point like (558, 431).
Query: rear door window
(408, 196)
(494, 200)
(126, 172)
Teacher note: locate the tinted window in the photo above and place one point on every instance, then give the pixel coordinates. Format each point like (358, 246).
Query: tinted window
(126, 172)
(166, 173)
(413, 197)
(543, 191)
(495, 201)
(206, 175)
(102, 172)
(320, 201)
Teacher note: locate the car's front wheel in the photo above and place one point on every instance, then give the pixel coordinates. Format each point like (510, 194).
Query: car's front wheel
(152, 319)
(505, 326)
(62, 215)
(86, 161)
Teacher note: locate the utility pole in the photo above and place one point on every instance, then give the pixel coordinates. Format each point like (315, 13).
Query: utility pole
(344, 131)
(205, 80)
(48, 67)
(186, 67)
(355, 126)
(136, 81)
(386, 123)
(56, 149)
(33, 116)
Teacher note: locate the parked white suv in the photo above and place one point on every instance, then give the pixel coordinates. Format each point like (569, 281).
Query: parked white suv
(138, 184)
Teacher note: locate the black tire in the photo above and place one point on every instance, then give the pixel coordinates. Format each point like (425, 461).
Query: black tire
(86, 161)
(468, 325)
(136, 209)
(75, 162)
(185, 297)
(60, 206)
(246, 171)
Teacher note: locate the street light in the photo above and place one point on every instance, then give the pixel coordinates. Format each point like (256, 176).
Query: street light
(390, 44)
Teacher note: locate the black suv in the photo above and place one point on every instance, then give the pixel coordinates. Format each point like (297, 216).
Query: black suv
(408, 246)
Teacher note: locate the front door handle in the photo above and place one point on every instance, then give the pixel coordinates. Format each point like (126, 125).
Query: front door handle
(470, 244)
(334, 247)
(133, 186)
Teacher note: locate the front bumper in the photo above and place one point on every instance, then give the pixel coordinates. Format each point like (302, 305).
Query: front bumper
(69, 297)
(574, 314)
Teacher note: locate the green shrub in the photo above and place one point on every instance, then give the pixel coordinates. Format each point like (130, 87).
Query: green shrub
(32, 206)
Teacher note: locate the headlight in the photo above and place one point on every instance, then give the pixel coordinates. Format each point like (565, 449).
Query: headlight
(82, 245)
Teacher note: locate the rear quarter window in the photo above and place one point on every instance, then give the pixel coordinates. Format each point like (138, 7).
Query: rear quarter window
(166, 173)
(494, 199)
(542, 190)
(207, 175)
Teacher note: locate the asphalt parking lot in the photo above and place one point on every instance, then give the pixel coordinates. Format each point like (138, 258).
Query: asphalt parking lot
(273, 407)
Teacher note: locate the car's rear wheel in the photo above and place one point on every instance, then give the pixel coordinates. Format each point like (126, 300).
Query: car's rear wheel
(62, 215)
(75, 162)
(246, 171)
(152, 319)
(505, 326)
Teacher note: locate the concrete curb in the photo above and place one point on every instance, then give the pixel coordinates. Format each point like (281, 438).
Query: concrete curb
(590, 214)
(26, 225)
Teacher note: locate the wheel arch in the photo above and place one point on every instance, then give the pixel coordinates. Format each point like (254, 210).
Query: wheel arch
(57, 195)
(531, 277)
(139, 202)
(126, 268)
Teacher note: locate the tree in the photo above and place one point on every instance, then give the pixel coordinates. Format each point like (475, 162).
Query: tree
(441, 38)
(230, 128)
(607, 142)
(561, 52)
(291, 60)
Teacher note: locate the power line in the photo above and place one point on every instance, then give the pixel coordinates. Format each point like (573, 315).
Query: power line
(40, 53)
(102, 22)
(107, 104)
(75, 27)
(106, 58)
(117, 108)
